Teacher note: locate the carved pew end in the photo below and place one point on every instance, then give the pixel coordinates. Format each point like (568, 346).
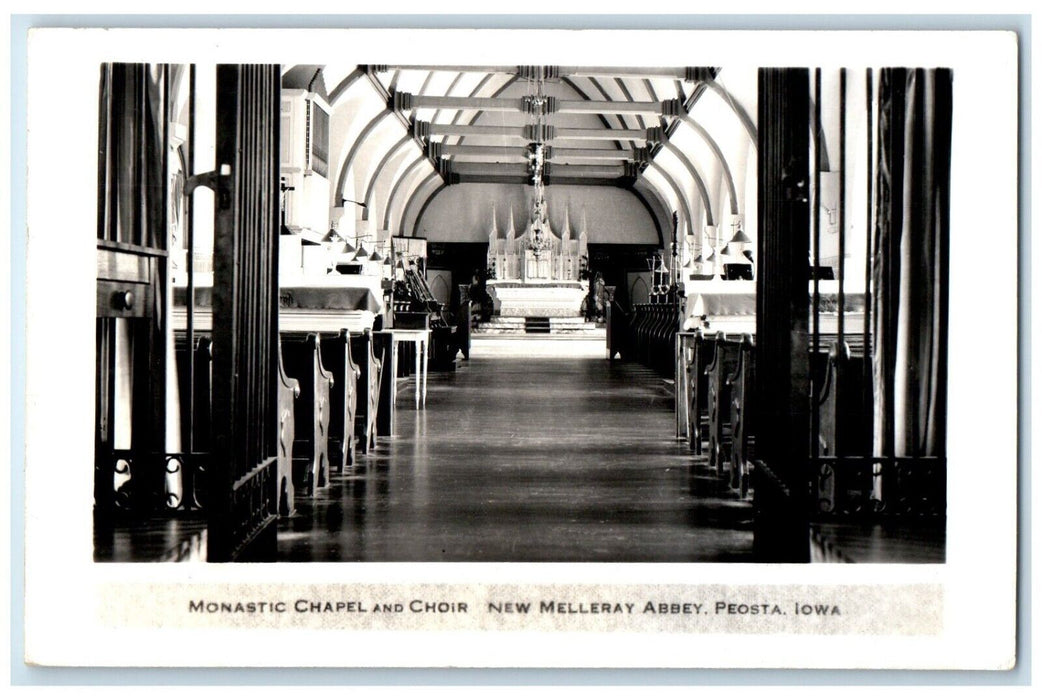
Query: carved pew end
(303, 359)
(288, 393)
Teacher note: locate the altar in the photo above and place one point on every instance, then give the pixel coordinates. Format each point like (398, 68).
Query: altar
(537, 274)
(550, 298)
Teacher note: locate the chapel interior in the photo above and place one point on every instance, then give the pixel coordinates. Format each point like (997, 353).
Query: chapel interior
(382, 313)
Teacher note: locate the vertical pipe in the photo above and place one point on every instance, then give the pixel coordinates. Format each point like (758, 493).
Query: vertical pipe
(248, 137)
(870, 182)
(255, 253)
(842, 199)
(161, 327)
(816, 232)
(242, 290)
(249, 255)
(105, 118)
(190, 255)
(273, 267)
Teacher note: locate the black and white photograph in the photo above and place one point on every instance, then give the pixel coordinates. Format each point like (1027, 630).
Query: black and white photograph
(522, 313)
(507, 332)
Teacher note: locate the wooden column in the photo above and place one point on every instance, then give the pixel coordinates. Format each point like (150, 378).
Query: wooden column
(782, 377)
(244, 473)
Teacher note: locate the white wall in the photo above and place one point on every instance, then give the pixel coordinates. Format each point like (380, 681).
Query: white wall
(463, 213)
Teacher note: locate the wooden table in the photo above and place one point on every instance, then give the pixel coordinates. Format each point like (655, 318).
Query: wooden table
(421, 339)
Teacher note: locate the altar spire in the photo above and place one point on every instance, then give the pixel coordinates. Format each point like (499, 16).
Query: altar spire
(511, 233)
(493, 233)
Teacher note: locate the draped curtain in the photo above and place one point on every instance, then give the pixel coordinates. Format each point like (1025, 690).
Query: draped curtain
(910, 261)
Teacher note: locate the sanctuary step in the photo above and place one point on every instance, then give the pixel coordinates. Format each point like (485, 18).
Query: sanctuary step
(537, 324)
(521, 325)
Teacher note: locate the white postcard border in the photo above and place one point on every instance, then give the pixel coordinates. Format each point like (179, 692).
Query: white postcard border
(64, 586)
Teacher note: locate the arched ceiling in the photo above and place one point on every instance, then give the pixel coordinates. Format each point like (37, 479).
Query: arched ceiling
(670, 135)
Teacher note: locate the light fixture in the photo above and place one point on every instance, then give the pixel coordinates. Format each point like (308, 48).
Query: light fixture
(331, 235)
(726, 250)
(748, 254)
(740, 237)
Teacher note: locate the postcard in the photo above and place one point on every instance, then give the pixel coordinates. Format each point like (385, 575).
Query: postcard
(524, 348)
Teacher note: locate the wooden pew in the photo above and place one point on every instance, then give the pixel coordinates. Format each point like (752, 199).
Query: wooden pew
(302, 355)
(343, 398)
(697, 349)
(368, 394)
(665, 337)
(683, 348)
(718, 400)
(385, 349)
(652, 333)
(743, 415)
(617, 331)
(288, 393)
(844, 426)
(193, 488)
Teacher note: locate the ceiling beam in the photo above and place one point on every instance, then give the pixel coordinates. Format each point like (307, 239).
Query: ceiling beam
(607, 134)
(551, 153)
(570, 82)
(388, 98)
(690, 73)
(624, 182)
(404, 101)
(522, 132)
(463, 168)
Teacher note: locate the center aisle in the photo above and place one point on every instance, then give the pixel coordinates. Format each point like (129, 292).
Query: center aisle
(526, 459)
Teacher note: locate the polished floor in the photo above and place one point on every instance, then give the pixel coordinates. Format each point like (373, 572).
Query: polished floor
(156, 539)
(524, 457)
